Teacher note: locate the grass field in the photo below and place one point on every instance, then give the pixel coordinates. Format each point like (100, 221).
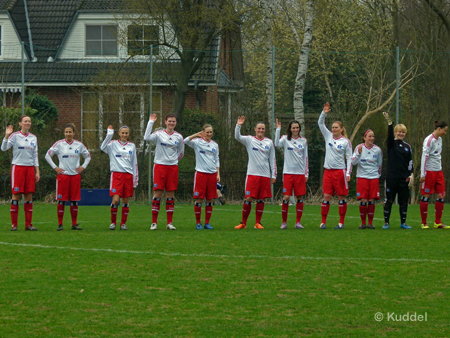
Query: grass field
(224, 282)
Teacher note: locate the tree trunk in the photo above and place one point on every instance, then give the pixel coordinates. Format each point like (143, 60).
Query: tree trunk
(299, 87)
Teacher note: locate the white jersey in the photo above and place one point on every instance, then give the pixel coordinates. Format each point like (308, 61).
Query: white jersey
(335, 149)
(369, 162)
(431, 155)
(122, 156)
(169, 147)
(68, 156)
(25, 148)
(206, 154)
(295, 154)
(261, 154)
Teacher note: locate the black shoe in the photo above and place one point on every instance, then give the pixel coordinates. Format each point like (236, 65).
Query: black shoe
(31, 228)
(76, 227)
(60, 227)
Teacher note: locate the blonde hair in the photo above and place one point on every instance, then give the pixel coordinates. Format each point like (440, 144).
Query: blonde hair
(400, 127)
(206, 126)
(343, 132)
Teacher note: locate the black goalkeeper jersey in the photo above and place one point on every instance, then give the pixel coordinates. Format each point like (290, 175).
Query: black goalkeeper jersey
(400, 164)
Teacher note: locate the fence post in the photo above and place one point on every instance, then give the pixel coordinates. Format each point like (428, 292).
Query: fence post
(23, 78)
(397, 85)
(150, 109)
(273, 107)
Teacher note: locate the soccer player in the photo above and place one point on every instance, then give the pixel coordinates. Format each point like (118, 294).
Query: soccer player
(169, 150)
(124, 172)
(261, 167)
(68, 179)
(369, 159)
(337, 172)
(399, 172)
(24, 170)
(207, 172)
(431, 175)
(295, 169)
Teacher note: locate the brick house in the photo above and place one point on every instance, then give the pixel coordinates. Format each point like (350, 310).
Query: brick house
(71, 46)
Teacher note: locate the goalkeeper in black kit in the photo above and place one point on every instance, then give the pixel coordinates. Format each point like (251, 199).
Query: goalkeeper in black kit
(399, 172)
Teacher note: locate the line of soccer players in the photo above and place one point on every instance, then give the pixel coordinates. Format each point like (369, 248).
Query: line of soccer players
(261, 171)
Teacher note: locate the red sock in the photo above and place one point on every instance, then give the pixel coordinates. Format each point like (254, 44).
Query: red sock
(259, 210)
(439, 209)
(156, 205)
(198, 212)
(208, 212)
(342, 211)
(28, 207)
(246, 211)
(299, 207)
(325, 209)
(125, 211)
(14, 212)
(74, 212)
(363, 212)
(284, 210)
(424, 210)
(170, 206)
(60, 210)
(371, 212)
(114, 213)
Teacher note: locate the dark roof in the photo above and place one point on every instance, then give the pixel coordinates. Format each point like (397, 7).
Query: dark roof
(101, 5)
(6, 4)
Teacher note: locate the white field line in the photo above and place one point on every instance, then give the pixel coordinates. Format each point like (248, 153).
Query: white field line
(174, 254)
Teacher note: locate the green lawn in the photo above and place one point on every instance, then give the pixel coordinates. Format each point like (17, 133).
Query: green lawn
(224, 282)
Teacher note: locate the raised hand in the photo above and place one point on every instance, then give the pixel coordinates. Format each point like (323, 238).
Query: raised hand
(278, 124)
(360, 149)
(110, 127)
(153, 117)
(241, 120)
(326, 108)
(9, 131)
(388, 119)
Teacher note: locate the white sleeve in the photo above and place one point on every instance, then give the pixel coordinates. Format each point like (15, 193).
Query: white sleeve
(348, 155)
(273, 161)
(190, 143)
(238, 136)
(306, 160)
(380, 162)
(278, 142)
(424, 159)
(135, 169)
(87, 157)
(323, 129)
(109, 134)
(35, 155)
(180, 149)
(356, 156)
(48, 156)
(217, 158)
(6, 144)
(148, 136)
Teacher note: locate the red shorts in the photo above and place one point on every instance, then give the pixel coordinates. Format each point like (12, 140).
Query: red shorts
(334, 181)
(165, 177)
(258, 187)
(121, 184)
(68, 187)
(368, 189)
(23, 179)
(434, 182)
(205, 185)
(295, 182)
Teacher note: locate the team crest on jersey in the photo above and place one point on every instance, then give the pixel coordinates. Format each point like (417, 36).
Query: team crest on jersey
(375, 156)
(176, 143)
(427, 190)
(388, 190)
(113, 190)
(16, 188)
(130, 152)
(284, 189)
(196, 193)
(267, 147)
(300, 146)
(358, 194)
(31, 144)
(407, 149)
(155, 185)
(77, 151)
(247, 192)
(213, 150)
(59, 196)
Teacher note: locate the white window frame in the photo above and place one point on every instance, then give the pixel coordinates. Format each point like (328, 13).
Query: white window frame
(101, 41)
(142, 41)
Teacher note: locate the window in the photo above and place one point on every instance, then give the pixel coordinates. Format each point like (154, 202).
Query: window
(140, 38)
(101, 110)
(101, 40)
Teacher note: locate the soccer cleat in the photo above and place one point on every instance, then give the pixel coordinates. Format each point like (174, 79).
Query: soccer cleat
(370, 226)
(339, 226)
(154, 226)
(362, 226)
(112, 226)
(441, 226)
(208, 226)
(31, 228)
(199, 226)
(405, 226)
(123, 227)
(170, 227)
(258, 226)
(425, 226)
(240, 226)
(299, 226)
(283, 226)
(386, 226)
(323, 226)
(76, 227)
(14, 228)
(60, 227)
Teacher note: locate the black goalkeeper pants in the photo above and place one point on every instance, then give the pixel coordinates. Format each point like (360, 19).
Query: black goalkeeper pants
(396, 186)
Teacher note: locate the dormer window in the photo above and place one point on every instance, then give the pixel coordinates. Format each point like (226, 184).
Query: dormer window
(140, 38)
(101, 40)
